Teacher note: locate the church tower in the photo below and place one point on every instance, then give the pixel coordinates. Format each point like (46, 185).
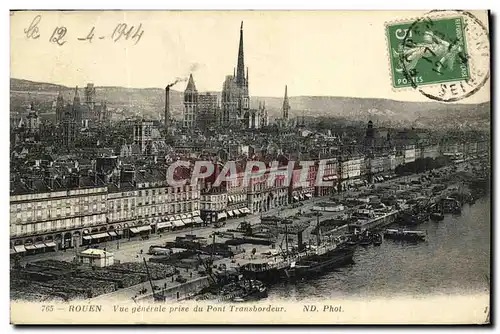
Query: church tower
(190, 104)
(286, 105)
(77, 108)
(33, 122)
(59, 108)
(241, 80)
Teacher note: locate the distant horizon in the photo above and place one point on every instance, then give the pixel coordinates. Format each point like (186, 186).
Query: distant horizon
(260, 96)
(314, 53)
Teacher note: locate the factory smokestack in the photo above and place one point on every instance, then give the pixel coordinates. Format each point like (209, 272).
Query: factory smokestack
(167, 108)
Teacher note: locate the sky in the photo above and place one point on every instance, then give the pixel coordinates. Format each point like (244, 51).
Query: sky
(315, 53)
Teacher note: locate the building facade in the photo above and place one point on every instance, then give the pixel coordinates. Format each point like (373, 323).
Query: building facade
(190, 105)
(57, 220)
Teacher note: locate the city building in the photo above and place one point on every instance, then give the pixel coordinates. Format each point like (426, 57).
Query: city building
(208, 110)
(237, 195)
(330, 174)
(213, 204)
(235, 102)
(351, 172)
(147, 139)
(409, 153)
(264, 195)
(190, 105)
(302, 186)
(41, 219)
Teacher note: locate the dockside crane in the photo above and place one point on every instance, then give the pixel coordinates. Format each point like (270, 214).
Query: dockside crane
(156, 296)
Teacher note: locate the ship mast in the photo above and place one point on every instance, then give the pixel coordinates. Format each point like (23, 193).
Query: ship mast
(318, 239)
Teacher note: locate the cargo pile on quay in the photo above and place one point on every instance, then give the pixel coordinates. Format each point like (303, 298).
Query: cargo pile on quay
(240, 264)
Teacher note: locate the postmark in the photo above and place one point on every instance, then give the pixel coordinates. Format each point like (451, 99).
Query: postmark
(444, 55)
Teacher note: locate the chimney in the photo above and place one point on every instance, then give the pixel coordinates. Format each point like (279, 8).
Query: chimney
(167, 107)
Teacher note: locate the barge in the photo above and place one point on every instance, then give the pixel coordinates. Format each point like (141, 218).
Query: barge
(320, 262)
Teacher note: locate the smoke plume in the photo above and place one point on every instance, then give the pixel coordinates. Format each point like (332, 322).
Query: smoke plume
(192, 68)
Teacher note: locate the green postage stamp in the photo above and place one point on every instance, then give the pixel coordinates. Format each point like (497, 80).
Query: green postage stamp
(430, 51)
(438, 49)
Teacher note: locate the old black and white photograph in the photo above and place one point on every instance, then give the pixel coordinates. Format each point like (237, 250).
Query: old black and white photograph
(234, 167)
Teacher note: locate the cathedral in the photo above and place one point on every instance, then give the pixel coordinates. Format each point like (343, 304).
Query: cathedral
(235, 100)
(72, 118)
(86, 113)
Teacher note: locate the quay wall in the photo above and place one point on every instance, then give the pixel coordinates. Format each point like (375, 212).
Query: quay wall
(181, 291)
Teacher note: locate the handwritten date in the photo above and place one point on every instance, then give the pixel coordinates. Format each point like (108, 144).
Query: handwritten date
(122, 32)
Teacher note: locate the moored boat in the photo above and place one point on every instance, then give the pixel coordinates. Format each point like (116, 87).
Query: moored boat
(366, 239)
(377, 239)
(407, 235)
(437, 216)
(318, 263)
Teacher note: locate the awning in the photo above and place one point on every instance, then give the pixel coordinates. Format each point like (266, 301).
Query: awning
(99, 235)
(308, 195)
(237, 212)
(164, 225)
(245, 210)
(188, 221)
(140, 229)
(221, 215)
(198, 220)
(296, 198)
(20, 248)
(87, 237)
(177, 223)
(50, 244)
(119, 232)
(230, 213)
(39, 246)
(112, 233)
(30, 247)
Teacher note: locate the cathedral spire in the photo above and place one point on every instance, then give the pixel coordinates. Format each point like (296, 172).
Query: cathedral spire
(240, 71)
(76, 99)
(286, 104)
(190, 85)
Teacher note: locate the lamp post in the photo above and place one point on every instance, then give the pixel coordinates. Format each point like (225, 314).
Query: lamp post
(118, 237)
(75, 246)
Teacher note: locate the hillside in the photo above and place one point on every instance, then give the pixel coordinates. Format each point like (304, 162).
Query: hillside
(384, 112)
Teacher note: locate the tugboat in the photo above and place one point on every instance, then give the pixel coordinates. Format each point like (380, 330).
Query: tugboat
(437, 213)
(229, 286)
(237, 291)
(437, 216)
(366, 239)
(451, 205)
(377, 239)
(248, 290)
(406, 235)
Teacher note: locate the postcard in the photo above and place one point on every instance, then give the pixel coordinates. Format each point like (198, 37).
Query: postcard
(250, 167)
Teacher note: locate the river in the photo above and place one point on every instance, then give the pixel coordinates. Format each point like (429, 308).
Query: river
(454, 259)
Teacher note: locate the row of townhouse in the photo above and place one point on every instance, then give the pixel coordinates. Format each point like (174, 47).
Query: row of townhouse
(71, 218)
(41, 218)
